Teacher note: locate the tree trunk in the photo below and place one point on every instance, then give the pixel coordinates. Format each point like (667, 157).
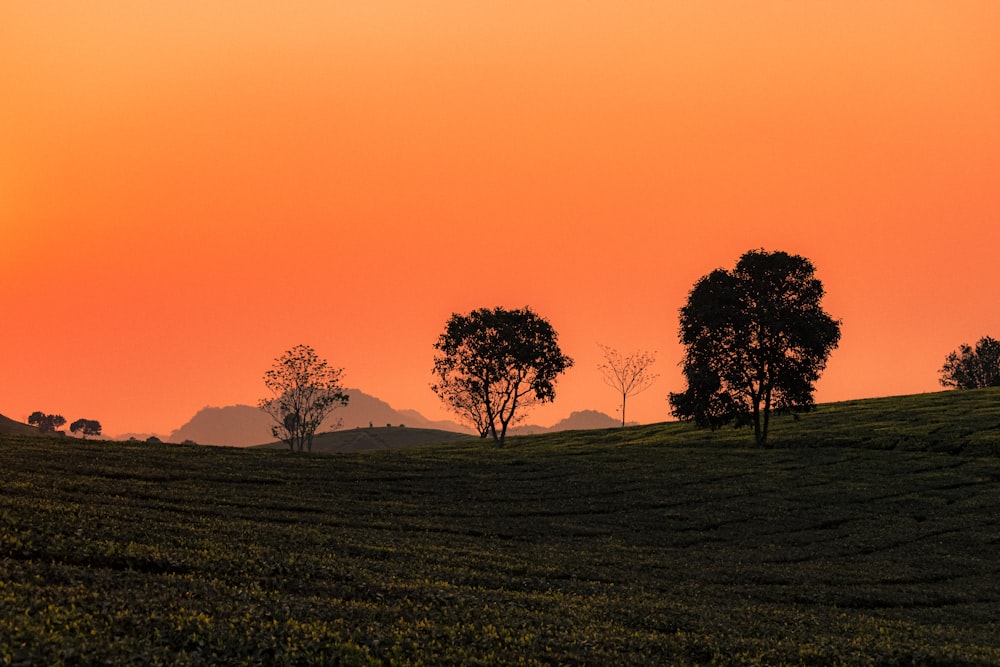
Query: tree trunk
(758, 436)
(767, 387)
(767, 417)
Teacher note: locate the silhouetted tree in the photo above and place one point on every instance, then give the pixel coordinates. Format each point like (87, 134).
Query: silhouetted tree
(627, 374)
(470, 407)
(86, 427)
(973, 368)
(492, 364)
(306, 390)
(45, 423)
(756, 339)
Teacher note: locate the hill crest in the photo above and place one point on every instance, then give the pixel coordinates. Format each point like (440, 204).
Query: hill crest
(9, 426)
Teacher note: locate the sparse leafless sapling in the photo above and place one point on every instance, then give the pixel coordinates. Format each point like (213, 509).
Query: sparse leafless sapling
(628, 374)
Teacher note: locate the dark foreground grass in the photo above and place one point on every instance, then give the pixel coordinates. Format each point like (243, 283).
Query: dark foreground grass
(615, 547)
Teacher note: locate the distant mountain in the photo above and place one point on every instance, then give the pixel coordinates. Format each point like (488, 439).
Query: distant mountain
(581, 420)
(237, 425)
(585, 419)
(243, 425)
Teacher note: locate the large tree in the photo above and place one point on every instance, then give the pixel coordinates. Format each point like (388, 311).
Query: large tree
(627, 374)
(756, 339)
(306, 389)
(492, 364)
(46, 423)
(86, 427)
(973, 368)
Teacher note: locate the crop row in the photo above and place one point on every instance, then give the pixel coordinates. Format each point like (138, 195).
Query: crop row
(609, 553)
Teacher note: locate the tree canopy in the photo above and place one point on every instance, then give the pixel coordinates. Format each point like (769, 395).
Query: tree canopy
(86, 427)
(44, 422)
(973, 368)
(306, 389)
(756, 339)
(491, 364)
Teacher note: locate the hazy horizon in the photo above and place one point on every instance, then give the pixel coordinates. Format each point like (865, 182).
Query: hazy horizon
(364, 411)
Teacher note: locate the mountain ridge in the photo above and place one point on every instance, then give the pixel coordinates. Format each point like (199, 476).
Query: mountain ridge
(578, 420)
(243, 425)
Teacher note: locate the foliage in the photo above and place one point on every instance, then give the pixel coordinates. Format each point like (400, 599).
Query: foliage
(492, 364)
(306, 389)
(45, 423)
(627, 374)
(622, 546)
(86, 427)
(973, 368)
(756, 339)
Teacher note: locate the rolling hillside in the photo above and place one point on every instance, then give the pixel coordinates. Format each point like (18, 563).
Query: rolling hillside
(868, 536)
(378, 439)
(10, 427)
(954, 422)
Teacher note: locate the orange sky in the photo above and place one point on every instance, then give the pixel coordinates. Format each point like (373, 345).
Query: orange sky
(187, 188)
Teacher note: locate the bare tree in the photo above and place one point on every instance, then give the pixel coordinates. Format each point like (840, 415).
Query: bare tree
(306, 389)
(627, 374)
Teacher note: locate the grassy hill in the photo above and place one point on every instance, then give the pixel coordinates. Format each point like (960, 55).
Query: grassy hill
(651, 545)
(954, 422)
(10, 427)
(378, 438)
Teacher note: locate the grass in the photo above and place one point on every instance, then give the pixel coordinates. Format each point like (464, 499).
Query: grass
(652, 545)
(378, 438)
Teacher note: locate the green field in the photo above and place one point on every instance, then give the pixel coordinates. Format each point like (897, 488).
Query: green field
(378, 438)
(869, 535)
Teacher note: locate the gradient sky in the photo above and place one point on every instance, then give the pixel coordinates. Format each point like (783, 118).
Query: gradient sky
(189, 188)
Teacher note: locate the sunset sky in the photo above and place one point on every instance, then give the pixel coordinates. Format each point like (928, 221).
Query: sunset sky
(189, 188)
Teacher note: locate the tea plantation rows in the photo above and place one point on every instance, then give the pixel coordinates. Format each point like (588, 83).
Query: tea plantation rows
(609, 547)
